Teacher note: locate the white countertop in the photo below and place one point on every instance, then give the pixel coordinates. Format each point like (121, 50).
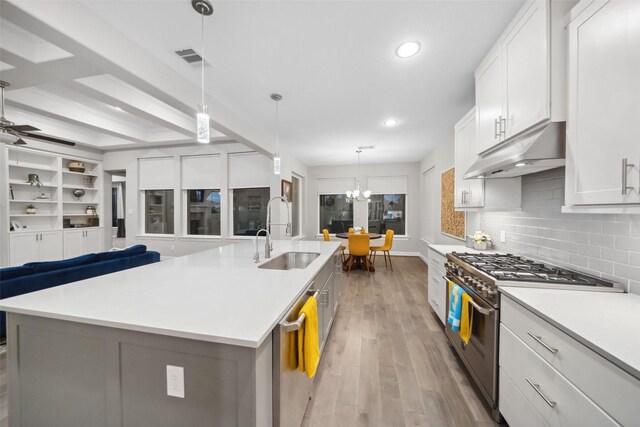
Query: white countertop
(607, 323)
(217, 295)
(446, 249)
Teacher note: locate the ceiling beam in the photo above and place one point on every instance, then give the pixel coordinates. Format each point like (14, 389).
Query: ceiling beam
(29, 74)
(76, 29)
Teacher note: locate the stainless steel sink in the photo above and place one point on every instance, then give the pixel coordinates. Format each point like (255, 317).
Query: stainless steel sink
(290, 260)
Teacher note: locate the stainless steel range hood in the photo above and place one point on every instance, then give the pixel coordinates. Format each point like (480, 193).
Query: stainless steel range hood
(539, 149)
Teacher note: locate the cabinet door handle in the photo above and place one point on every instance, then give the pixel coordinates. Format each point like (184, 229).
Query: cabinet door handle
(37, 237)
(625, 170)
(542, 343)
(496, 133)
(536, 387)
(503, 129)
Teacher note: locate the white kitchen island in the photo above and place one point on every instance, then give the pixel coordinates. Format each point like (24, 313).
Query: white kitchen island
(95, 352)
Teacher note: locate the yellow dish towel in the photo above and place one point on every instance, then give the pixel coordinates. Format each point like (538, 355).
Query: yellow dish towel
(466, 319)
(308, 344)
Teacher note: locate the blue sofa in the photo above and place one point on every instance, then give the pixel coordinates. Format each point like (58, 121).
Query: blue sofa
(35, 276)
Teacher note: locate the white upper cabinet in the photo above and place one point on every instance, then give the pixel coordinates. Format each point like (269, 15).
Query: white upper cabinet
(514, 86)
(525, 65)
(603, 129)
(469, 193)
(473, 194)
(489, 101)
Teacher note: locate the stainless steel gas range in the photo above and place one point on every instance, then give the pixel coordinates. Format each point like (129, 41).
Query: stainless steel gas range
(480, 275)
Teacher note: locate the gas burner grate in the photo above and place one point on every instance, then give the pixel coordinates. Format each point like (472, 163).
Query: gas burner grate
(515, 268)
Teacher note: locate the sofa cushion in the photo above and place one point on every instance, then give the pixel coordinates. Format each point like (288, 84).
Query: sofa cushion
(13, 272)
(43, 267)
(123, 253)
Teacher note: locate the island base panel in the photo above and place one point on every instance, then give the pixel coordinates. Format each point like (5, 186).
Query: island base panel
(64, 373)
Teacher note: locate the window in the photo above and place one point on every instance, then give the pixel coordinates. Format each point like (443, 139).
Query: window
(158, 211)
(336, 214)
(387, 212)
(203, 212)
(295, 206)
(249, 210)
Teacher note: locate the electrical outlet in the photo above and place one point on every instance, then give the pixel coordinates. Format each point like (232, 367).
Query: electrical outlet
(175, 381)
(503, 236)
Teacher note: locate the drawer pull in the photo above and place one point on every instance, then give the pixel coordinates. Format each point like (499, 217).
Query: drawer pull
(536, 387)
(542, 343)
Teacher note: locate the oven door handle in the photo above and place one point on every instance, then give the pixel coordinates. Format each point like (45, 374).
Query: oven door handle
(481, 310)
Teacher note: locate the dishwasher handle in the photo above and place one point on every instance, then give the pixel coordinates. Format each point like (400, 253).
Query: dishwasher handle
(297, 324)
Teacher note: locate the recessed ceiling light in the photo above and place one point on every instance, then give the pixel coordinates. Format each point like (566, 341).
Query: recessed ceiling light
(115, 107)
(521, 164)
(408, 49)
(480, 176)
(390, 122)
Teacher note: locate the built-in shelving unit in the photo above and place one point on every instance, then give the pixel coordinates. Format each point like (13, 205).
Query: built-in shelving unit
(42, 180)
(50, 191)
(75, 210)
(34, 179)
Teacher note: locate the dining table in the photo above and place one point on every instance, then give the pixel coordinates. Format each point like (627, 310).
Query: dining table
(359, 259)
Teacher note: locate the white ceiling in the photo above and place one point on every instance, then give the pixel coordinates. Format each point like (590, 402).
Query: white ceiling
(333, 61)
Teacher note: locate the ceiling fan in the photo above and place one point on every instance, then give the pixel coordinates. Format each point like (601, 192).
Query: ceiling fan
(12, 133)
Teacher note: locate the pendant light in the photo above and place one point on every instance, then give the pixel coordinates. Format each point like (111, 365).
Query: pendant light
(358, 195)
(204, 8)
(276, 157)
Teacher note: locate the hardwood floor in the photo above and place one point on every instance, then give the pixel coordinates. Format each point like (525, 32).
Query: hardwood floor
(387, 361)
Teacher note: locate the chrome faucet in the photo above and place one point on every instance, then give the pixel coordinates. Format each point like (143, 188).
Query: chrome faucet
(287, 231)
(267, 247)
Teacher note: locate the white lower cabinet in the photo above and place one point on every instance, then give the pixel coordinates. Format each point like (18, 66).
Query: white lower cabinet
(30, 247)
(82, 241)
(437, 288)
(515, 407)
(560, 377)
(557, 401)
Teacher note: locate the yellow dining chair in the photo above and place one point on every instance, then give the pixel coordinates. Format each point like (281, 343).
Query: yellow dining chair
(358, 247)
(388, 243)
(327, 237)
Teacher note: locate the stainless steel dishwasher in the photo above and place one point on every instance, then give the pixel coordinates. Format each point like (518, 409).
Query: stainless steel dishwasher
(291, 388)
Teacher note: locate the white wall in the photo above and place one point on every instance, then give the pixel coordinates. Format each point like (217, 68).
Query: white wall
(179, 244)
(607, 246)
(441, 158)
(410, 244)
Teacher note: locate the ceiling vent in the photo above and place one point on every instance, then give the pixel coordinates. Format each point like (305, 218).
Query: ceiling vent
(190, 56)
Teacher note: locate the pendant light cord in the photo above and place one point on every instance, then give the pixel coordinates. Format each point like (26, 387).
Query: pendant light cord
(277, 131)
(202, 36)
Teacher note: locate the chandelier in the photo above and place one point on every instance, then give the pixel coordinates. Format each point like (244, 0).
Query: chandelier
(358, 195)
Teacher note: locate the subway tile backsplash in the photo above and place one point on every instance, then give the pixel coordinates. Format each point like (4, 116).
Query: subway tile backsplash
(599, 244)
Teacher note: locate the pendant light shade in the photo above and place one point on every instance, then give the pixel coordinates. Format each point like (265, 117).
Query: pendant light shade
(276, 164)
(276, 157)
(202, 123)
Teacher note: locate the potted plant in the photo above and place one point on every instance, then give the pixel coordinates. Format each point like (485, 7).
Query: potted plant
(31, 209)
(481, 240)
